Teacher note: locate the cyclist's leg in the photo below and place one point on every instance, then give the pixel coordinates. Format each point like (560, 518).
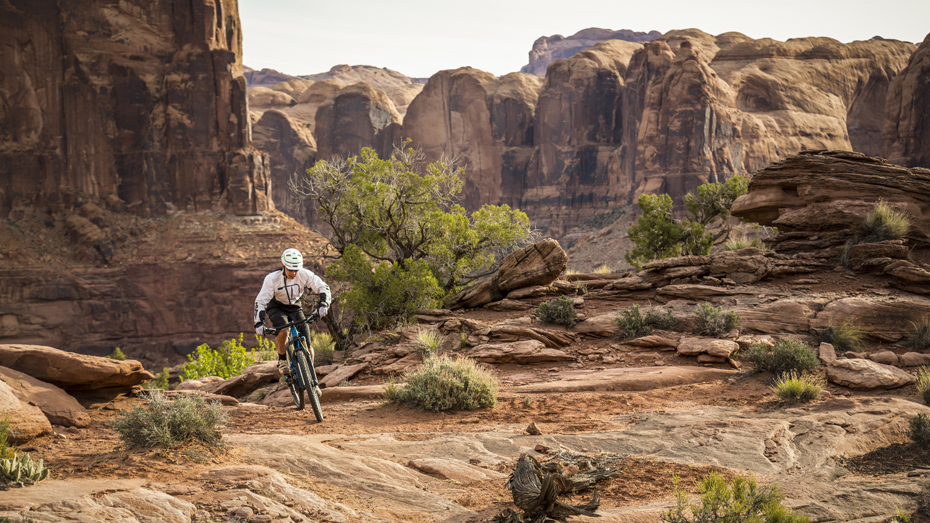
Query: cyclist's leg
(279, 318)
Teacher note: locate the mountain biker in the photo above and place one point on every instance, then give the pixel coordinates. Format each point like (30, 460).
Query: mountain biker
(280, 297)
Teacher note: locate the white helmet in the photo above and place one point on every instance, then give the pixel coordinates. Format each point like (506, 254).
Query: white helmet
(291, 259)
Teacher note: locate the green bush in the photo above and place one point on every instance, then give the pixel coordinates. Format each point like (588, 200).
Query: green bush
(714, 322)
(786, 356)
(794, 386)
(918, 335)
(633, 322)
(442, 383)
(923, 384)
(560, 311)
(160, 381)
(323, 348)
(743, 502)
(427, 342)
(735, 244)
(189, 417)
(388, 296)
(265, 350)
(20, 471)
(844, 336)
(117, 355)
(227, 361)
(884, 222)
(920, 431)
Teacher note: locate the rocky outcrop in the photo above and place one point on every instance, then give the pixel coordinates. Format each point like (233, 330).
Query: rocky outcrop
(819, 199)
(144, 102)
(56, 404)
(549, 48)
(26, 420)
(907, 124)
(72, 371)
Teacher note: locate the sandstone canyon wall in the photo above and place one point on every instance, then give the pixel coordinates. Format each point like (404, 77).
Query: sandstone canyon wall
(548, 48)
(141, 100)
(907, 128)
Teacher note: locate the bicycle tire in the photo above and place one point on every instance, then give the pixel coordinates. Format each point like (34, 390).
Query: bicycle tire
(304, 369)
(296, 393)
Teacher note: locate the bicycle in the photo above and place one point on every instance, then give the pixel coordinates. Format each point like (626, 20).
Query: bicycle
(303, 374)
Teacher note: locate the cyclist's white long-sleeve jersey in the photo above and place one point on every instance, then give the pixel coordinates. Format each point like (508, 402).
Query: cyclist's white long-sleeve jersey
(276, 286)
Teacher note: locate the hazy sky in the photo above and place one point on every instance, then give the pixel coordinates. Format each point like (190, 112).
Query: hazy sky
(421, 37)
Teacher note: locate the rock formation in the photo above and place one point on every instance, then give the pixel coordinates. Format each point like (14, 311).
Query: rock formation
(292, 151)
(144, 102)
(357, 116)
(549, 48)
(907, 126)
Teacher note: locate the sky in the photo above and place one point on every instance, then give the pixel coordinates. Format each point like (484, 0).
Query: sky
(420, 37)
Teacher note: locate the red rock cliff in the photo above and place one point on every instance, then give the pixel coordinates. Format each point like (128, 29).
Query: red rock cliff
(143, 100)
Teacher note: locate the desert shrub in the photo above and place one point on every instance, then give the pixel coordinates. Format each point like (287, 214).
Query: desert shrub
(798, 386)
(160, 381)
(560, 311)
(844, 336)
(847, 250)
(463, 340)
(427, 342)
(117, 354)
(900, 516)
(441, 383)
(6, 451)
(884, 222)
(786, 356)
(743, 501)
(735, 244)
(918, 335)
(603, 269)
(229, 360)
(188, 417)
(633, 322)
(265, 349)
(923, 384)
(920, 431)
(714, 322)
(323, 348)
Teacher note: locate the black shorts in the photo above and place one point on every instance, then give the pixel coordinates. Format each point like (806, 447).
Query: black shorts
(281, 314)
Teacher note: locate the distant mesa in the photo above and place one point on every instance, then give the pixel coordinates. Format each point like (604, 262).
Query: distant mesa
(549, 48)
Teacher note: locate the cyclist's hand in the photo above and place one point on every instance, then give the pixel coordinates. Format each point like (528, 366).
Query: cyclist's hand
(322, 311)
(260, 329)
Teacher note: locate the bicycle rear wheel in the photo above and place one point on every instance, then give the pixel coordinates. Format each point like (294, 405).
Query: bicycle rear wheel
(304, 369)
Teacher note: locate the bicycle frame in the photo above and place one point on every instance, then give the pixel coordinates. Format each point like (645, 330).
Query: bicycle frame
(302, 376)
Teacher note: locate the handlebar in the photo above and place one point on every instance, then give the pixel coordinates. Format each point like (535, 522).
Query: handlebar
(309, 319)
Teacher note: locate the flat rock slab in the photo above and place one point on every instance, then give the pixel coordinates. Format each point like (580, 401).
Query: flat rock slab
(455, 470)
(629, 379)
(865, 374)
(347, 393)
(57, 491)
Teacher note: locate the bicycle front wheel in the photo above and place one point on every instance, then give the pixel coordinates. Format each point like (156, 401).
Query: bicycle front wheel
(305, 376)
(296, 391)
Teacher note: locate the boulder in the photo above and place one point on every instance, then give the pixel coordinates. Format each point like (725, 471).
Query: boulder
(602, 326)
(72, 371)
(253, 377)
(530, 351)
(914, 359)
(341, 374)
(26, 421)
(866, 375)
(57, 405)
(885, 357)
(827, 353)
(712, 347)
(199, 383)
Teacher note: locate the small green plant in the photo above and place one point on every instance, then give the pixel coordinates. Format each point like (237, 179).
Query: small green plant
(920, 431)
(923, 384)
(793, 386)
(900, 516)
(160, 381)
(441, 383)
(463, 341)
(265, 351)
(632, 322)
(560, 311)
(582, 289)
(427, 342)
(737, 243)
(227, 361)
(714, 322)
(785, 356)
(744, 501)
(527, 402)
(844, 336)
(117, 354)
(884, 222)
(20, 470)
(323, 348)
(918, 335)
(164, 422)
